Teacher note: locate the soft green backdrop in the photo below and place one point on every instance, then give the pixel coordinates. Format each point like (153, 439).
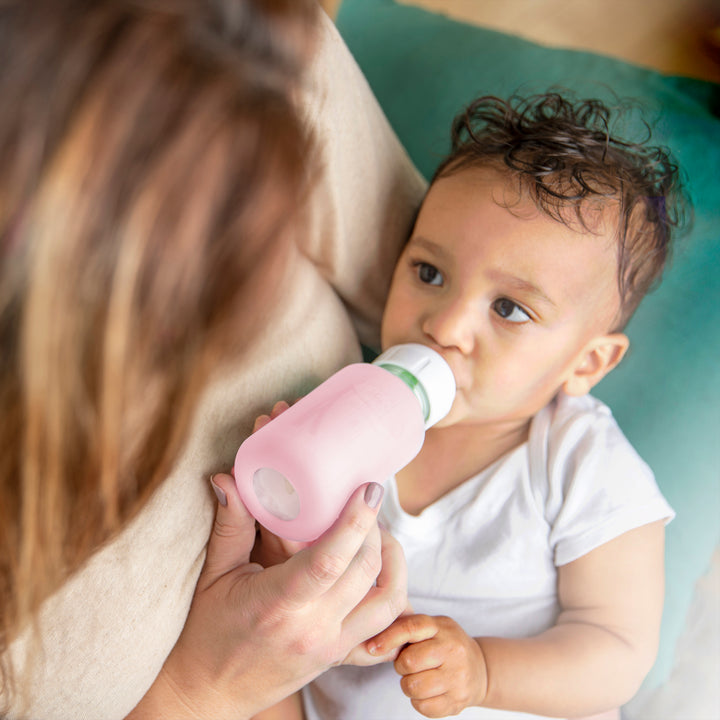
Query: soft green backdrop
(423, 69)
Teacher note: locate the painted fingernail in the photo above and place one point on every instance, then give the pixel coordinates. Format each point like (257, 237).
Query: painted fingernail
(373, 495)
(219, 492)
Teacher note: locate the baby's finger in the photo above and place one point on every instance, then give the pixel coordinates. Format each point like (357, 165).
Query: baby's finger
(423, 685)
(279, 408)
(260, 422)
(360, 657)
(424, 655)
(435, 707)
(270, 549)
(406, 629)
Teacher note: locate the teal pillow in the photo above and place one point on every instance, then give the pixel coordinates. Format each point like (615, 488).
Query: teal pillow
(423, 69)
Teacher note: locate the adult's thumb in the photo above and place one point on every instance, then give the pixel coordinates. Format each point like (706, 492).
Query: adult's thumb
(233, 533)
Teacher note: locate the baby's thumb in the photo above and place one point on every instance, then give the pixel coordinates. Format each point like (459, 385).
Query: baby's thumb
(233, 534)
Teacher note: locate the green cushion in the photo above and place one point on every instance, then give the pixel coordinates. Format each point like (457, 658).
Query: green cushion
(423, 69)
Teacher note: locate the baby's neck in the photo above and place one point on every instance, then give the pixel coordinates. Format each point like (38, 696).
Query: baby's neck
(451, 455)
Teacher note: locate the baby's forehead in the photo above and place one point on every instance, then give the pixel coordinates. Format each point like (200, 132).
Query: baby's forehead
(597, 215)
(597, 211)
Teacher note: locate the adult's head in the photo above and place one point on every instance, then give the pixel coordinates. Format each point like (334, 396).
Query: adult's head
(150, 164)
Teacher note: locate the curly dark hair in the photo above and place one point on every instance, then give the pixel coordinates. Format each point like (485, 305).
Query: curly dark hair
(563, 154)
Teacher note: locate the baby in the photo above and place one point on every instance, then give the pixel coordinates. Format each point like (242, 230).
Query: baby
(532, 530)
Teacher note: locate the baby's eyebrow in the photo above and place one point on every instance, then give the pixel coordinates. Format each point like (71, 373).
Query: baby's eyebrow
(522, 286)
(425, 244)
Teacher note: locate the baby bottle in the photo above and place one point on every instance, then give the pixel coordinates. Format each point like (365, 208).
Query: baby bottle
(364, 423)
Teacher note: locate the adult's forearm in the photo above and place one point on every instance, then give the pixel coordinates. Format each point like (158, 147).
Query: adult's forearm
(167, 700)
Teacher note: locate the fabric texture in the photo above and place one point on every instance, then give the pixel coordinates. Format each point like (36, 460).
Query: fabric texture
(107, 632)
(486, 554)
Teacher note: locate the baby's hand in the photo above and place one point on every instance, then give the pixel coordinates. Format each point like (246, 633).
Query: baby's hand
(269, 548)
(262, 420)
(443, 669)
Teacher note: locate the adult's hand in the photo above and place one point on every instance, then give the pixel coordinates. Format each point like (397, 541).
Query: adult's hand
(255, 635)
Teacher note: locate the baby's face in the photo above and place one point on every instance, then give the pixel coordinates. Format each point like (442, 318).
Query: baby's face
(509, 297)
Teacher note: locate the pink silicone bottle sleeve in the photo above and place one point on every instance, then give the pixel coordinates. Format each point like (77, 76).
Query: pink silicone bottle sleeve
(296, 474)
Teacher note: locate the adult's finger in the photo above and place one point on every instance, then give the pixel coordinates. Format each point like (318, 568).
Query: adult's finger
(360, 576)
(384, 602)
(315, 570)
(233, 534)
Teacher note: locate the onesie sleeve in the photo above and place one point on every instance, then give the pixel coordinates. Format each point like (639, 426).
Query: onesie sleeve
(598, 486)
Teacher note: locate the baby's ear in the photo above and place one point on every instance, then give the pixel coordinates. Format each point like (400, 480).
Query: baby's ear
(598, 358)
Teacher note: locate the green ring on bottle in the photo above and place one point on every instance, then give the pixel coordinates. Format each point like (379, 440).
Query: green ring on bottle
(413, 383)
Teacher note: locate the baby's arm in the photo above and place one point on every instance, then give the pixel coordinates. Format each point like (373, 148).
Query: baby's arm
(593, 659)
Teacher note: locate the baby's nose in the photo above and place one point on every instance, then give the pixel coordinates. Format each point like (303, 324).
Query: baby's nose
(454, 324)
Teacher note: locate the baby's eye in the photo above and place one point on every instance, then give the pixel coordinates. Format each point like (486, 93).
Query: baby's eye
(429, 274)
(510, 311)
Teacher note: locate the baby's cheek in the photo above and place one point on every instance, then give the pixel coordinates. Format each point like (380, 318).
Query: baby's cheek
(458, 412)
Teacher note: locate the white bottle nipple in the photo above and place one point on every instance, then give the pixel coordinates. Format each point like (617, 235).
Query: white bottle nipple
(426, 373)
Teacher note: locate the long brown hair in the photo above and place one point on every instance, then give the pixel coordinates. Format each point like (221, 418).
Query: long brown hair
(150, 164)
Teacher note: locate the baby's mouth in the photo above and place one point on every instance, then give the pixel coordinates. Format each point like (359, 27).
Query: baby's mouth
(462, 380)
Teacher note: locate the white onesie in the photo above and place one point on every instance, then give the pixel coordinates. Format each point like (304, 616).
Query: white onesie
(486, 554)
